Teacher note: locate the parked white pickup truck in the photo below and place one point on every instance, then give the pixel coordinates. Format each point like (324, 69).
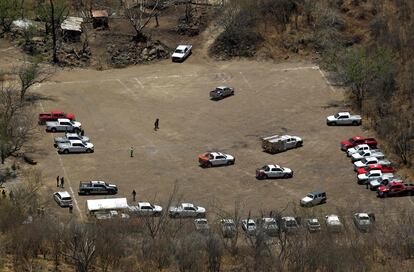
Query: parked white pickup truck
(367, 153)
(75, 146)
(343, 118)
(358, 148)
(70, 136)
(371, 175)
(181, 53)
(64, 125)
(370, 160)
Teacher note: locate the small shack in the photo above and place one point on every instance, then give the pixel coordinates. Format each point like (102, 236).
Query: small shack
(72, 28)
(105, 205)
(100, 19)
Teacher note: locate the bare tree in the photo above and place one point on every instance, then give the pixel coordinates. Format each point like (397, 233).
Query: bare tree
(140, 15)
(30, 73)
(9, 11)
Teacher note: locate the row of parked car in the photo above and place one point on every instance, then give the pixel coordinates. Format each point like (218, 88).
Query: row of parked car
(373, 169)
(73, 141)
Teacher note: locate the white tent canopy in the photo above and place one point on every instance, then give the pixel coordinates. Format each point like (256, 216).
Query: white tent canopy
(94, 205)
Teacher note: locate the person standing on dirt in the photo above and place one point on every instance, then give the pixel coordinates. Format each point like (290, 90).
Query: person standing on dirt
(134, 194)
(70, 208)
(131, 152)
(62, 182)
(57, 181)
(157, 124)
(82, 133)
(3, 194)
(11, 195)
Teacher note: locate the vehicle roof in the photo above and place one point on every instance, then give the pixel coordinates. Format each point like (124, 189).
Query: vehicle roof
(144, 204)
(362, 215)
(63, 194)
(250, 221)
(182, 46)
(361, 145)
(313, 220)
(332, 217)
(76, 141)
(288, 218)
(97, 182)
(343, 112)
(200, 220)
(63, 120)
(215, 153)
(222, 87)
(375, 171)
(375, 165)
(187, 205)
(268, 220)
(274, 165)
(227, 221)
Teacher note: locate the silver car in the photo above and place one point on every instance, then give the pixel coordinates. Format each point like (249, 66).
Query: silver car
(63, 199)
(221, 92)
(70, 136)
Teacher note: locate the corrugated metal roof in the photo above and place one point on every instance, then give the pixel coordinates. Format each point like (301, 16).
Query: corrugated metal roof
(72, 24)
(99, 13)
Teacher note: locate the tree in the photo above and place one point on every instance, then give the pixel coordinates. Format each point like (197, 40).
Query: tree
(53, 13)
(30, 74)
(140, 15)
(9, 11)
(16, 121)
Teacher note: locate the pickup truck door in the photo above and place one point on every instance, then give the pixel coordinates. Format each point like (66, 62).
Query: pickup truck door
(146, 210)
(65, 126)
(275, 172)
(189, 211)
(290, 143)
(99, 189)
(220, 160)
(78, 147)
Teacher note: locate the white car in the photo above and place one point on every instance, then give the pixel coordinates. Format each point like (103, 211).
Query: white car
(75, 146)
(63, 199)
(367, 153)
(363, 221)
(181, 52)
(187, 210)
(289, 224)
(370, 160)
(249, 226)
(358, 148)
(145, 209)
(64, 125)
(343, 118)
(268, 225)
(371, 175)
(273, 171)
(333, 223)
(210, 159)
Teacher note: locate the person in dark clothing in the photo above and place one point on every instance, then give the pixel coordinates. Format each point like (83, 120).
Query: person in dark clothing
(11, 195)
(157, 124)
(62, 182)
(57, 181)
(131, 152)
(3, 194)
(82, 133)
(70, 208)
(134, 194)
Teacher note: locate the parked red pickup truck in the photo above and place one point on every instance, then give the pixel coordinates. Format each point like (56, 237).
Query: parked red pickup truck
(369, 167)
(53, 116)
(357, 140)
(396, 188)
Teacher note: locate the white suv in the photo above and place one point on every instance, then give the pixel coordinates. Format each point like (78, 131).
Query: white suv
(63, 199)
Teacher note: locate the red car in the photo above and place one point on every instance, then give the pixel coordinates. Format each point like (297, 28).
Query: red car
(396, 188)
(54, 115)
(384, 169)
(357, 140)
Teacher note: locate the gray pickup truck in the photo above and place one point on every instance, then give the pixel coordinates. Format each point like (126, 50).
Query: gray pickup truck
(63, 125)
(343, 118)
(97, 187)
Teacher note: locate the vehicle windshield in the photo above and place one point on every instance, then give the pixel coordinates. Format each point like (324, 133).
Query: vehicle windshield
(72, 122)
(336, 115)
(202, 222)
(251, 224)
(361, 152)
(290, 223)
(351, 140)
(310, 196)
(364, 161)
(179, 51)
(313, 223)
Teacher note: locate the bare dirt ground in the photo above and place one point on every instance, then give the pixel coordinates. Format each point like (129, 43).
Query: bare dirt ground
(117, 109)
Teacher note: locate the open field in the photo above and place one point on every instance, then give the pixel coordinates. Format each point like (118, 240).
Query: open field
(117, 109)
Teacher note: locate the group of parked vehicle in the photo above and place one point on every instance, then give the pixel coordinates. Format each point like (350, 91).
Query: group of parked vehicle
(373, 169)
(74, 140)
